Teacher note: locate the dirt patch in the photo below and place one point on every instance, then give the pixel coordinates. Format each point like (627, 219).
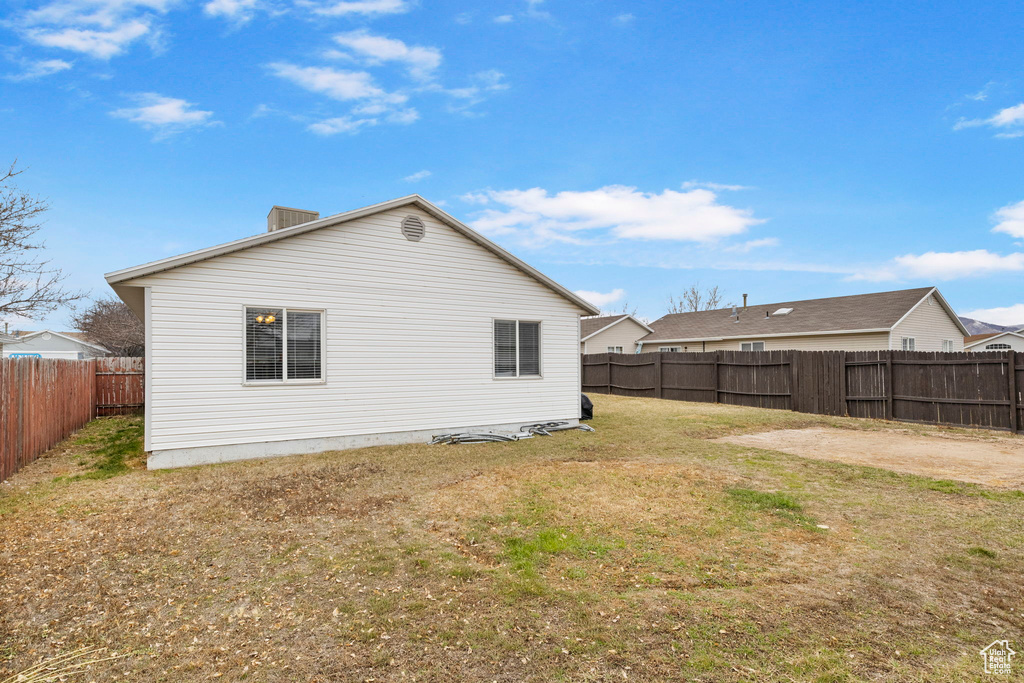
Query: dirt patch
(315, 491)
(996, 462)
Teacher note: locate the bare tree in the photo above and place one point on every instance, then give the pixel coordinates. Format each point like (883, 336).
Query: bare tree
(695, 299)
(111, 324)
(28, 286)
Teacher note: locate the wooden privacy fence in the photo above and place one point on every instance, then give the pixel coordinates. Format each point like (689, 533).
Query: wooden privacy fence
(42, 401)
(963, 389)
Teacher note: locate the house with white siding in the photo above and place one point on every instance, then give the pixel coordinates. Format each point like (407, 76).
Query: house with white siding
(995, 341)
(383, 325)
(611, 334)
(50, 344)
(908, 319)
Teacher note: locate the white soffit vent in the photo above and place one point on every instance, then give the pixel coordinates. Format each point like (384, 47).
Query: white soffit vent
(783, 311)
(413, 228)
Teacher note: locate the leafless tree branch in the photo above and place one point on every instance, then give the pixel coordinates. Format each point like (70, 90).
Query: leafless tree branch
(29, 287)
(111, 324)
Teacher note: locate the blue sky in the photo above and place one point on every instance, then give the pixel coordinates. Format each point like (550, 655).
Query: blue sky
(786, 150)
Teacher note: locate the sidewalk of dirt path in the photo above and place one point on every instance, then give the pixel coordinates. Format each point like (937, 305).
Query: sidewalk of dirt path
(995, 461)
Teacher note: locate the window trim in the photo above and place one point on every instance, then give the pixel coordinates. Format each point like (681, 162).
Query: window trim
(759, 341)
(284, 347)
(998, 346)
(668, 349)
(903, 343)
(611, 349)
(540, 349)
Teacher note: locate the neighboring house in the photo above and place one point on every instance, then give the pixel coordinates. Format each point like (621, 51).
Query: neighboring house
(908, 319)
(995, 341)
(50, 344)
(611, 334)
(388, 324)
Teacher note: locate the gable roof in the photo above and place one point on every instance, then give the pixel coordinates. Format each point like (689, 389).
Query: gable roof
(977, 339)
(125, 274)
(878, 312)
(76, 337)
(591, 326)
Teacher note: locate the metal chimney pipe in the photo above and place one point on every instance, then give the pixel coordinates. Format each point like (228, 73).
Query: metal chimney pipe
(744, 302)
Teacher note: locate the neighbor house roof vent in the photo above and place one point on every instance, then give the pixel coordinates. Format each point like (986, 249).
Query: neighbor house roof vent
(413, 228)
(281, 217)
(783, 311)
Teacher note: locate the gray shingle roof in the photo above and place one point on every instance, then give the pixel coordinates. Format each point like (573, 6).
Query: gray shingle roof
(834, 314)
(589, 326)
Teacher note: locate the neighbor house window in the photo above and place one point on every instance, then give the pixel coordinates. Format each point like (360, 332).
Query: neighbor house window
(752, 346)
(997, 347)
(283, 345)
(614, 349)
(669, 349)
(516, 348)
(908, 343)
(947, 345)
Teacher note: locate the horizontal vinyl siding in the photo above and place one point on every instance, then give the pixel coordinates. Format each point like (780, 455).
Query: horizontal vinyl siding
(928, 324)
(622, 334)
(870, 341)
(408, 338)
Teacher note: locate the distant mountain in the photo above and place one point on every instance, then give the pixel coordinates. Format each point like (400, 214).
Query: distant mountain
(978, 327)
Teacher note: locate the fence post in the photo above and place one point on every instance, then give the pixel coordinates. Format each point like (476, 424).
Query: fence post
(889, 389)
(657, 376)
(714, 374)
(1011, 367)
(842, 384)
(609, 373)
(794, 383)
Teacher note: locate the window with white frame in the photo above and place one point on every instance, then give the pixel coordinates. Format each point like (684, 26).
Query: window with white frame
(997, 347)
(283, 345)
(908, 343)
(669, 349)
(614, 349)
(947, 345)
(516, 348)
(752, 346)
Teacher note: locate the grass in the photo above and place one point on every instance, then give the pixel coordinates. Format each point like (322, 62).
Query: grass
(643, 551)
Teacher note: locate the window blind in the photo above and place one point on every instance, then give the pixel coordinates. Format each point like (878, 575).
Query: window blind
(505, 348)
(303, 345)
(263, 348)
(529, 348)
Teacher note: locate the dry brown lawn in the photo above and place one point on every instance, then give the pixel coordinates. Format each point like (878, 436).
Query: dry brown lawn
(644, 551)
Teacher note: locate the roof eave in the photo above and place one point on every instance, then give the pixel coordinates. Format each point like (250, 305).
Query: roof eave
(772, 335)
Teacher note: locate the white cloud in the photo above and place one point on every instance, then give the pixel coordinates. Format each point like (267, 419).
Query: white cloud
(39, 69)
(335, 83)
(504, 19)
(417, 176)
(239, 11)
(751, 245)
(1005, 315)
(376, 49)
(625, 18)
(166, 115)
(601, 299)
(1010, 220)
(614, 211)
(1010, 117)
(364, 7)
(340, 124)
(945, 266)
(98, 28)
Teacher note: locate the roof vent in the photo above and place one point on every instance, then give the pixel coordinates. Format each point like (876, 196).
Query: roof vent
(281, 217)
(783, 311)
(413, 228)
